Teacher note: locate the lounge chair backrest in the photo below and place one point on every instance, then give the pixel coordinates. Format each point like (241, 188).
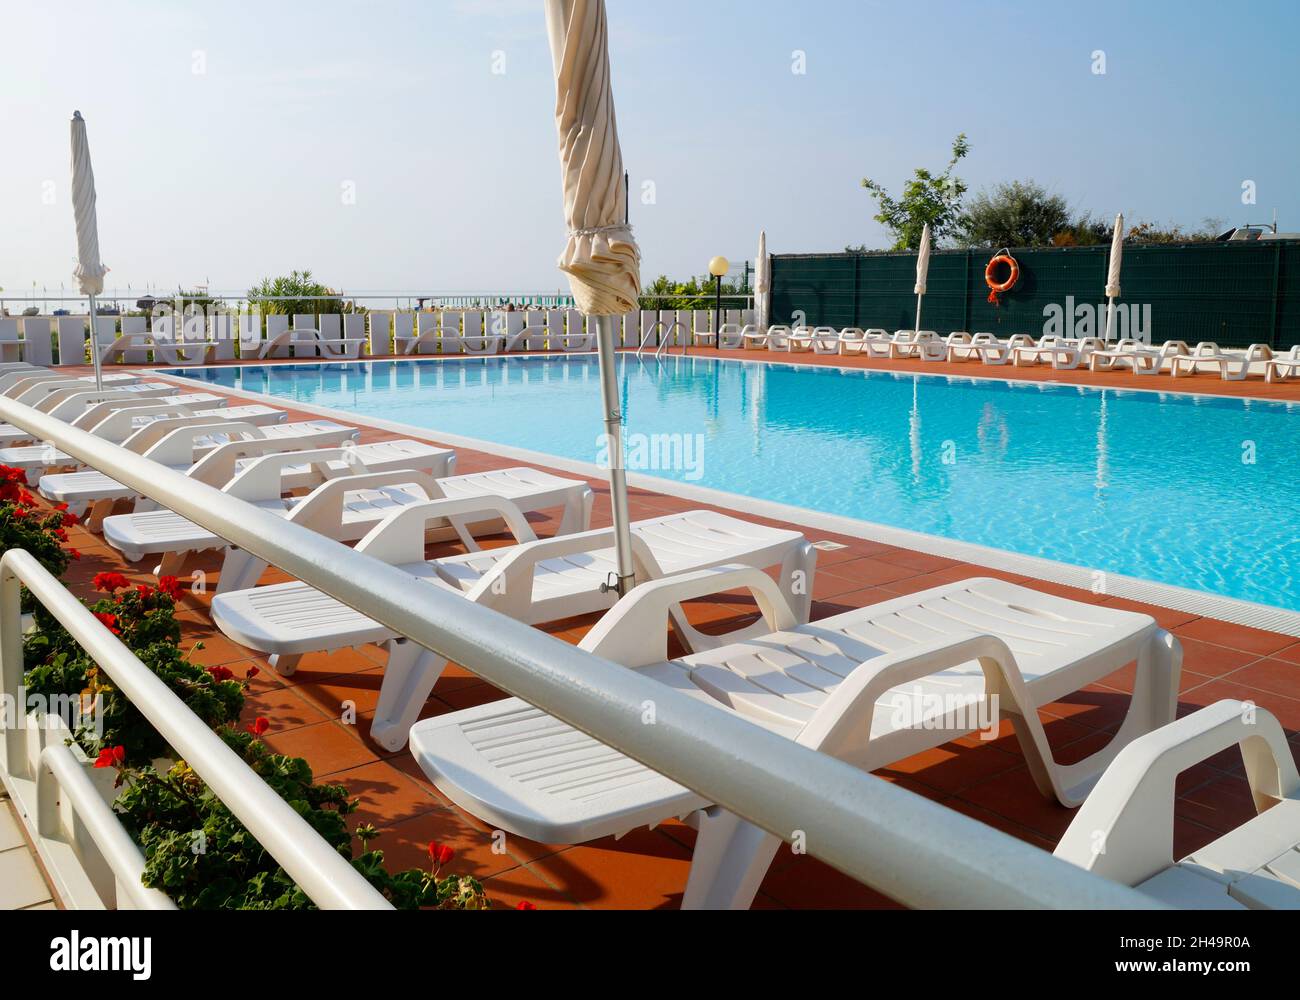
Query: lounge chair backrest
(36, 340)
(403, 330)
(218, 466)
(146, 436)
(177, 446)
(261, 478)
(77, 405)
(322, 509)
(399, 538)
(120, 425)
(354, 329)
(330, 326)
(381, 326)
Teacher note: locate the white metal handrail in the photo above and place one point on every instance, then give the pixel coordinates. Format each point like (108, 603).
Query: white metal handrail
(914, 850)
(318, 869)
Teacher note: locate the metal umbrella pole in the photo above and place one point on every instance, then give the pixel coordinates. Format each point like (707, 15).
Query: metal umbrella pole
(624, 575)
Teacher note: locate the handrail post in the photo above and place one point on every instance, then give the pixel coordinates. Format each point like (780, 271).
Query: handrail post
(11, 668)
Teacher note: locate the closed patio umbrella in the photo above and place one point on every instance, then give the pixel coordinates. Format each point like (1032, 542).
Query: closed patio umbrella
(762, 282)
(90, 269)
(600, 257)
(922, 270)
(1112, 275)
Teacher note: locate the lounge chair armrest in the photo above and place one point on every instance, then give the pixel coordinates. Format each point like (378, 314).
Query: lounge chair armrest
(1132, 807)
(634, 632)
(399, 538)
(842, 724)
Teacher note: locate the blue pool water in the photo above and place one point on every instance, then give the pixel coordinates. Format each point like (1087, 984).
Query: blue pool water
(1192, 491)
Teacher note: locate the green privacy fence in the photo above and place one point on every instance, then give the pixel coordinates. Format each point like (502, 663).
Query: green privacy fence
(1232, 293)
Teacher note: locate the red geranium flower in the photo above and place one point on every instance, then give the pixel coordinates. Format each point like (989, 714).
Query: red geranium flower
(108, 582)
(221, 673)
(111, 757)
(260, 725)
(441, 853)
(12, 475)
(69, 518)
(109, 621)
(170, 586)
(73, 553)
(252, 672)
(523, 904)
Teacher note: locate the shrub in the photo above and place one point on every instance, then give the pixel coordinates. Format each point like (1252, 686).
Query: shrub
(203, 857)
(144, 619)
(23, 525)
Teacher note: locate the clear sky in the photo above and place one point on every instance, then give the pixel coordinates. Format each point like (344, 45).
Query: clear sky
(225, 133)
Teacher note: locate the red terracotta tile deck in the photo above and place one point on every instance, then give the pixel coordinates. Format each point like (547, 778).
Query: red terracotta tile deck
(647, 869)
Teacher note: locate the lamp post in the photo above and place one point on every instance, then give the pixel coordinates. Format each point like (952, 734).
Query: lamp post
(718, 266)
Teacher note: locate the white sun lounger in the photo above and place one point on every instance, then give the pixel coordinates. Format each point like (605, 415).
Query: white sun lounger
(1209, 353)
(1142, 358)
(870, 687)
(999, 351)
(855, 341)
(344, 508)
(1125, 831)
(941, 348)
(820, 340)
(122, 425)
(535, 581)
(1282, 366)
(1062, 353)
(180, 448)
(757, 338)
(74, 405)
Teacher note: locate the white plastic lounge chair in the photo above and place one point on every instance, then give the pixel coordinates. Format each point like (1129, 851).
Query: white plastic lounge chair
(731, 336)
(73, 403)
(1209, 353)
(779, 337)
(870, 686)
(535, 581)
(1125, 831)
(15, 384)
(941, 348)
(123, 425)
(403, 331)
(1062, 353)
(344, 508)
(907, 343)
(820, 340)
(999, 351)
(757, 338)
(1282, 366)
(180, 448)
(859, 341)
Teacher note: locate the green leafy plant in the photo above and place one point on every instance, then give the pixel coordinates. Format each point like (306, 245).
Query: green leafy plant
(1017, 214)
(144, 619)
(203, 857)
(927, 198)
(296, 292)
(24, 525)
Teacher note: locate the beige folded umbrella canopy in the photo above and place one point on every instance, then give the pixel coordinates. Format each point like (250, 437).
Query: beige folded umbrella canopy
(762, 280)
(90, 269)
(1112, 274)
(600, 257)
(922, 271)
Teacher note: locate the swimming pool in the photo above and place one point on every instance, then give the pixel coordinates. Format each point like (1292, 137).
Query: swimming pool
(1193, 491)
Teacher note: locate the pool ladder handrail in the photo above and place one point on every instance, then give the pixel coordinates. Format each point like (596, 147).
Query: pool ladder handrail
(667, 341)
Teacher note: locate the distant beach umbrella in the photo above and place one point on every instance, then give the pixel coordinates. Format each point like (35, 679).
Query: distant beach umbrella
(922, 271)
(1112, 275)
(90, 269)
(600, 256)
(762, 281)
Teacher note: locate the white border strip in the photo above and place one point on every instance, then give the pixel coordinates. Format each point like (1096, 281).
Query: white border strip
(1196, 602)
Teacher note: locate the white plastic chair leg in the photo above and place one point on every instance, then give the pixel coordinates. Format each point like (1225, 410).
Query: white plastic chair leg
(409, 677)
(731, 858)
(240, 570)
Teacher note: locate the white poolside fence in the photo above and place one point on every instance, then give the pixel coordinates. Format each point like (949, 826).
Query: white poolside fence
(226, 328)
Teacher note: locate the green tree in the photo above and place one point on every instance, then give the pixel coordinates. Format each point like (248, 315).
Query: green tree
(697, 293)
(296, 292)
(1015, 214)
(927, 198)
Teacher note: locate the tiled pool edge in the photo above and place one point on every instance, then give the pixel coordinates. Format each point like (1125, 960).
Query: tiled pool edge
(1196, 602)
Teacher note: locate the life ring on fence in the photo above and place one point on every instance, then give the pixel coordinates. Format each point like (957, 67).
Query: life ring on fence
(997, 288)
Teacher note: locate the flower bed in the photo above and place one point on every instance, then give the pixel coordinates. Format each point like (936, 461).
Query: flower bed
(196, 851)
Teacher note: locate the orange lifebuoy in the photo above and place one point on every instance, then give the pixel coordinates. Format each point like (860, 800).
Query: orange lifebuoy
(997, 288)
